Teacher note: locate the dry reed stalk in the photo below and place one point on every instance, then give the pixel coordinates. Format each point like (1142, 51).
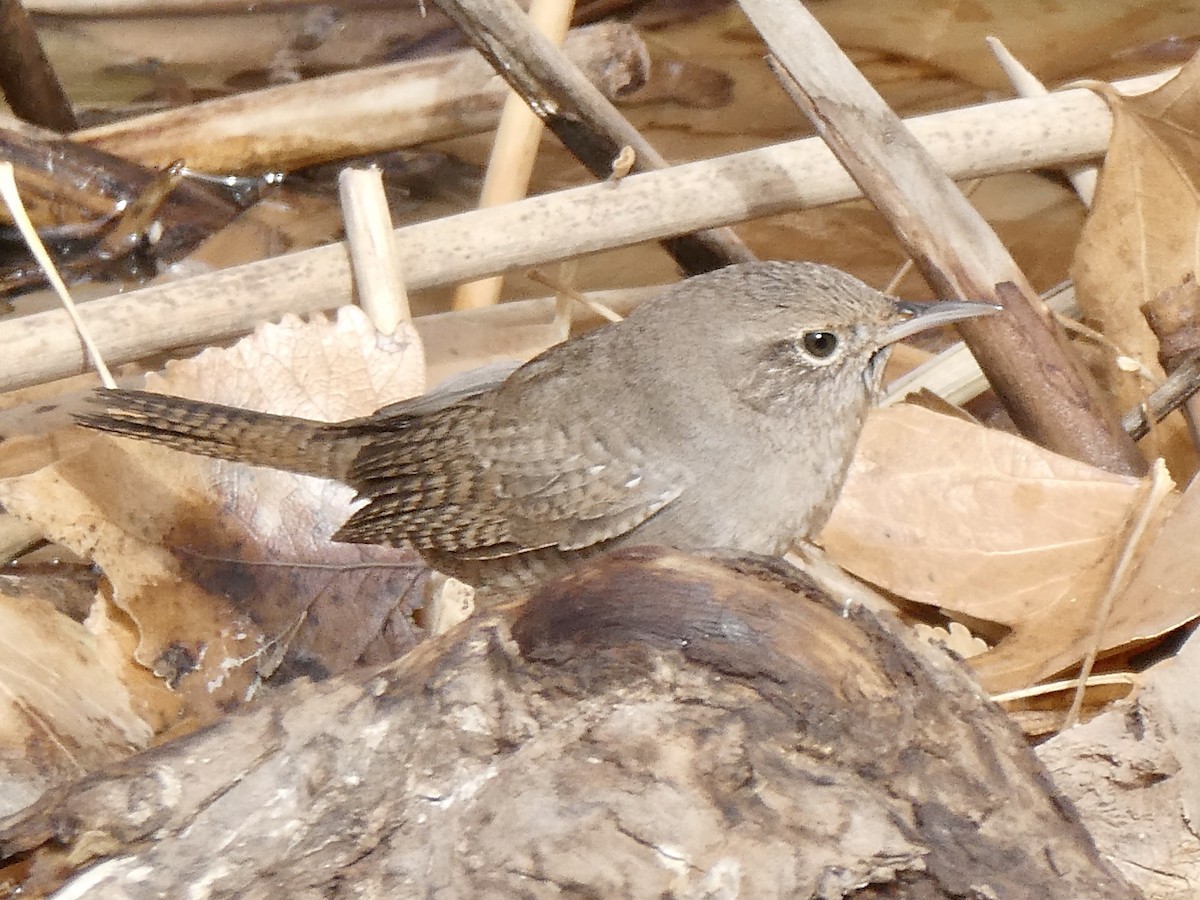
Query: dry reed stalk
(989, 139)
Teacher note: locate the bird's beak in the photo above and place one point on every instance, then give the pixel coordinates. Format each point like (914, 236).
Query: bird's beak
(918, 317)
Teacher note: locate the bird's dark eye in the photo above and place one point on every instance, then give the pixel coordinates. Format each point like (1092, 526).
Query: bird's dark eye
(820, 344)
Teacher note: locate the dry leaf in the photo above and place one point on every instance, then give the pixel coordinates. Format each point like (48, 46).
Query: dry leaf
(1093, 616)
(956, 515)
(106, 505)
(226, 569)
(972, 520)
(66, 708)
(1141, 237)
(1165, 590)
(333, 605)
(1162, 594)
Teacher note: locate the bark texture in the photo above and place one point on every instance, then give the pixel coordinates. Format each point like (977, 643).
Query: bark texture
(653, 725)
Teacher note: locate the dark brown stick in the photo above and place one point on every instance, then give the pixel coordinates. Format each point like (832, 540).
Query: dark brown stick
(1047, 391)
(26, 77)
(578, 114)
(1174, 317)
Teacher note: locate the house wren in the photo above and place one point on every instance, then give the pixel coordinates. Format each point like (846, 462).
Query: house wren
(722, 413)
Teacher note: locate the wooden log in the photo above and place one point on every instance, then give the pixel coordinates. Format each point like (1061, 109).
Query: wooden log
(655, 724)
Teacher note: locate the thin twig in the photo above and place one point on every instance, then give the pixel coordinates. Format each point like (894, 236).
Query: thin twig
(1173, 315)
(1123, 361)
(1180, 385)
(378, 278)
(12, 199)
(1155, 486)
(573, 293)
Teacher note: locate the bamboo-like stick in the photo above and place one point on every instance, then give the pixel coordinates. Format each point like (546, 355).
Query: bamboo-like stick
(514, 149)
(1008, 136)
(371, 241)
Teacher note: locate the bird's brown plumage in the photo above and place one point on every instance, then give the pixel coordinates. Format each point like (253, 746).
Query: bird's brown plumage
(709, 418)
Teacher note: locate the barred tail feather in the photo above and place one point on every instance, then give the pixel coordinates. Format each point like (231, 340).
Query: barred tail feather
(225, 432)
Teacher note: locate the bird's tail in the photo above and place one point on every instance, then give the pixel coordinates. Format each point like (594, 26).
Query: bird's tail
(226, 432)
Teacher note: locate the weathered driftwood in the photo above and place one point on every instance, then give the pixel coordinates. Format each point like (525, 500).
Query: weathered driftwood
(1131, 771)
(654, 725)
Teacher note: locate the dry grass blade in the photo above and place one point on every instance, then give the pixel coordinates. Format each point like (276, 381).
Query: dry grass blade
(1152, 492)
(566, 290)
(12, 199)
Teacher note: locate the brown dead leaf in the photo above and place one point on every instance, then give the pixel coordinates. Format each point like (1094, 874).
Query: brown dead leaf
(227, 570)
(66, 707)
(1165, 590)
(1162, 594)
(1088, 619)
(1142, 236)
(331, 604)
(976, 521)
(967, 518)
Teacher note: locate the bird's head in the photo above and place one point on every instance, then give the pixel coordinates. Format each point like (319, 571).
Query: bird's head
(794, 332)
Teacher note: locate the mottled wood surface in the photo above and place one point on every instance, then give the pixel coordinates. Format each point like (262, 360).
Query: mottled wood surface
(652, 725)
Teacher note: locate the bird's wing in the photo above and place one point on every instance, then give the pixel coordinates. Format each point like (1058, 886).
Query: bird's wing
(568, 489)
(463, 481)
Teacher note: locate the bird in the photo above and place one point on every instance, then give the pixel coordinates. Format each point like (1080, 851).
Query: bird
(721, 414)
